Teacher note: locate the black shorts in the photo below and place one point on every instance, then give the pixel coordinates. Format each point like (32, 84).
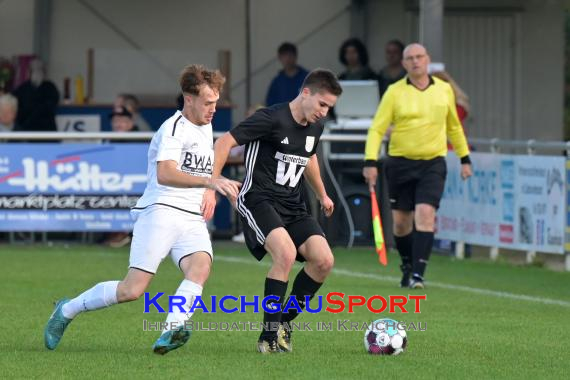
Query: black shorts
(261, 218)
(411, 182)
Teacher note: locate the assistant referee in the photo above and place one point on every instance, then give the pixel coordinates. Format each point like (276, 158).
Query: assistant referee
(422, 110)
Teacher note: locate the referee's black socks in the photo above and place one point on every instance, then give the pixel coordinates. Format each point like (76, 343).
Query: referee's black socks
(423, 244)
(271, 320)
(303, 286)
(404, 245)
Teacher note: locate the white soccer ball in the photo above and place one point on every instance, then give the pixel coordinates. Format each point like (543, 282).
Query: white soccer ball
(385, 337)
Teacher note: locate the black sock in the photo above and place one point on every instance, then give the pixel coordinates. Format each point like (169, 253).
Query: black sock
(404, 244)
(303, 286)
(423, 244)
(272, 320)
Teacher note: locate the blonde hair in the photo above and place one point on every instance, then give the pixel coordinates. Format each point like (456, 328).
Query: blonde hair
(461, 97)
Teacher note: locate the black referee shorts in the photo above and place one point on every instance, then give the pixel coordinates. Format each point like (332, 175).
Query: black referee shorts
(411, 182)
(262, 218)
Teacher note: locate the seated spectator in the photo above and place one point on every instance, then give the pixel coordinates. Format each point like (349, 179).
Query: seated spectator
(287, 84)
(122, 120)
(393, 71)
(354, 56)
(8, 112)
(132, 104)
(37, 101)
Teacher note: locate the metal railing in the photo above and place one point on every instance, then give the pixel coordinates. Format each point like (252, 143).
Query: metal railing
(494, 145)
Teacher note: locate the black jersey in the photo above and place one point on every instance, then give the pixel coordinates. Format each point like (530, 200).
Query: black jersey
(277, 151)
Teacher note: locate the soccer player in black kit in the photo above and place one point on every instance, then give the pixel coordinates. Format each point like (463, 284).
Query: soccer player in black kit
(281, 142)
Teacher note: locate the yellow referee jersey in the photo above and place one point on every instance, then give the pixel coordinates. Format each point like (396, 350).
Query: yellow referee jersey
(423, 121)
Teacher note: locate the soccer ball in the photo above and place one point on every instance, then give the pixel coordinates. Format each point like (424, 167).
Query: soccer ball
(383, 337)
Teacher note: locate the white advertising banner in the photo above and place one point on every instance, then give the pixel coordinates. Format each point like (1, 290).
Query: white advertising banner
(515, 202)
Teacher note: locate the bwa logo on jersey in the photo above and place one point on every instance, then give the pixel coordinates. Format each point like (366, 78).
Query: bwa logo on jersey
(196, 164)
(290, 168)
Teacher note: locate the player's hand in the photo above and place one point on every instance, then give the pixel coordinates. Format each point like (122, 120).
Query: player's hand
(208, 204)
(370, 174)
(327, 205)
(226, 187)
(466, 171)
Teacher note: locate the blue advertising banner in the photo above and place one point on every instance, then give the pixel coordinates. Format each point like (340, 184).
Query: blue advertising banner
(70, 187)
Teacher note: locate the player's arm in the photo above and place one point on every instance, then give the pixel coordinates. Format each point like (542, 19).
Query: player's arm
(313, 176)
(222, 149)
(167, 174)
(253, 128)
(382, 120)
(457, 137)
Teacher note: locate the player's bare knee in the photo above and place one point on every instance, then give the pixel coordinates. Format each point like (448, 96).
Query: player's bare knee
(285, 261)
(128, 293)
(198, 275)
(325, 264)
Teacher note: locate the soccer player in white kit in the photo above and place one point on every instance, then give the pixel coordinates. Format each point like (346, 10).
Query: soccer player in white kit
(170, 216)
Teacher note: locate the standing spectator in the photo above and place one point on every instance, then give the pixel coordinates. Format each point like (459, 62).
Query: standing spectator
(354, 56)
(121, 121)
(461, 98)
(393, 71)
(422, 109)
(132, 104)
(8, 112)
(37, 101)
(287, 84)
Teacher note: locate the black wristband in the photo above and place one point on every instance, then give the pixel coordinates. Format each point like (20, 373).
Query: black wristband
(370, 163)
(465, 160)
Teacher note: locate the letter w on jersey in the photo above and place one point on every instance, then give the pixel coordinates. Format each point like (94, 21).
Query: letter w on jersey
(290, 168)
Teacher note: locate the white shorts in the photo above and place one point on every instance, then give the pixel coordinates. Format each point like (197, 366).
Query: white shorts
(160, 230)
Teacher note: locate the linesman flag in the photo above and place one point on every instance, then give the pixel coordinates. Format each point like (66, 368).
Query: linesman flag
(378, 231)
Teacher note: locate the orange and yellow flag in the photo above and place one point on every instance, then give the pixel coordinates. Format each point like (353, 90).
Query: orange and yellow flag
(378, 231)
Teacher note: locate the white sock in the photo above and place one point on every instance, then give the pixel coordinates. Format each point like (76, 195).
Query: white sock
(102, 295)
(189, 290)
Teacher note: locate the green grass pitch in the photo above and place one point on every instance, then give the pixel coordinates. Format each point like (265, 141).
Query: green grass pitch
(484, 320)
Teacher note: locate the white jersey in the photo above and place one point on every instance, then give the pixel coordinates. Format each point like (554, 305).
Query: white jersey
(191, 146)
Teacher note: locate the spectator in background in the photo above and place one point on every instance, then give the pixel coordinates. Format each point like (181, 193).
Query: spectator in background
(132, 104)
(37, 101)
(121, 121)
(393, 71)
(354, 56)
(287, 84)
(8, 112)
(461, 98)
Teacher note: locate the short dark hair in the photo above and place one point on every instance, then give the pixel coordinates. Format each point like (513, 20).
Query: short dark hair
(193, 76)
(399, 44)
(360, 48)
(131, 101)
(287, 47)
(322, 80)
